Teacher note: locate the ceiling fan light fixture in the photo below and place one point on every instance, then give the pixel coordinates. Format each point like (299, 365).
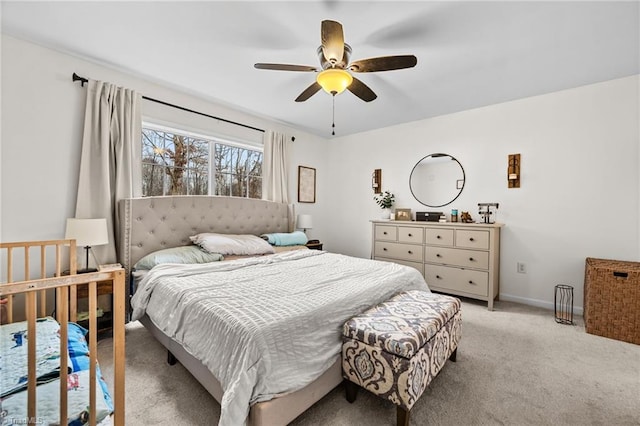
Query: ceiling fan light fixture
(334, 81)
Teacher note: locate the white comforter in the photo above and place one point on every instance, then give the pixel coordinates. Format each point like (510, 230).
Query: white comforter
(266, 325)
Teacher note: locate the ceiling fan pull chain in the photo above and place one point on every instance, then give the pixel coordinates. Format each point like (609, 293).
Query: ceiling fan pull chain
(333, 115)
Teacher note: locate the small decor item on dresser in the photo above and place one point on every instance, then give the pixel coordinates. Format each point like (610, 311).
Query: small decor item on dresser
(454, 215)
(484, 210)
(428, 216)
(465, 217)
(403, 214)
(385, 200)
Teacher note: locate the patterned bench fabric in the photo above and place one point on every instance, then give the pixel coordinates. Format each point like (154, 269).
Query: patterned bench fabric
(404, 323)
(390, 374)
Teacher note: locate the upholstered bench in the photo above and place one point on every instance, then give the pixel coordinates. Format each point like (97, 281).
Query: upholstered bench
(396, 348)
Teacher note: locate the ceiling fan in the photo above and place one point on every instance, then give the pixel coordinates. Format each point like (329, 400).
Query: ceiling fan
(334, 76)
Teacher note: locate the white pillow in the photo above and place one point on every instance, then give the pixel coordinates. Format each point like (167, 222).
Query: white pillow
(243, 244)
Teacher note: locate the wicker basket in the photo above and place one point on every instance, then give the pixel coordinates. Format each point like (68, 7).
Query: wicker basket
(612, 299)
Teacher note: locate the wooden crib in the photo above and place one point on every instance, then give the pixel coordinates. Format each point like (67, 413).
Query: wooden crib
(63, 282)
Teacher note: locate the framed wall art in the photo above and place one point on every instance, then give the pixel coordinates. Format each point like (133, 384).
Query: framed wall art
(403, 214)
(306, 184)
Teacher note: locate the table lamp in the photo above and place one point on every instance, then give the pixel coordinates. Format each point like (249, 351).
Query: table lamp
(87, 233)
(304, 222)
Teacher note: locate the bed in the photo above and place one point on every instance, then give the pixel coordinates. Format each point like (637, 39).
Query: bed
(279, 315)
(49, 368)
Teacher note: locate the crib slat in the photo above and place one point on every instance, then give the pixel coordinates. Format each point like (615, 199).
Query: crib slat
(10, 264)
(10, 280)
(118, 347)
(43, 274)
(31, 308)
(93, 348)
(62, 311)
(73, 261)
(27, 268)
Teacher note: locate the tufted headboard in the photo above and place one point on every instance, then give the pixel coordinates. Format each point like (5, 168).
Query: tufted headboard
(154, 223)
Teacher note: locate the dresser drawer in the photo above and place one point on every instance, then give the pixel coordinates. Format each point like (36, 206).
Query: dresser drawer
(408, 234)
(472, 239)
(439, 237)
(386, 233)
(451, 256)
(445, 278)
(416, 265)
(408, 252)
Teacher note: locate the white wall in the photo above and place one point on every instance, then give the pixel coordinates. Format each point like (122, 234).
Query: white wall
(42, 121)
(580, 193)
(580, 185)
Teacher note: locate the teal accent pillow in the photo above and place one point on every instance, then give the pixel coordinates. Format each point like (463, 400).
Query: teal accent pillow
(296, 238)
(183, 254)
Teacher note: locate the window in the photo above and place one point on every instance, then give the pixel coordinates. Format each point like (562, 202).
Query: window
(176, 162)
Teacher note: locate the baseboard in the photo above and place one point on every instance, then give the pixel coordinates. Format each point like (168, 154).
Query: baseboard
(577, 310)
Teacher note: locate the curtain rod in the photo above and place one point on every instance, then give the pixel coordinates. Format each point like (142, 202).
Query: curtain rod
(82, 80)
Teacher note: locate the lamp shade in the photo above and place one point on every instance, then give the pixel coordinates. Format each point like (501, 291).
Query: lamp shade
(87, 232)
(334, 81)
(304, 221)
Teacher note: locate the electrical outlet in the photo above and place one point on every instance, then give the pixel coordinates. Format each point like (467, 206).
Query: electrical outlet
(521, 268)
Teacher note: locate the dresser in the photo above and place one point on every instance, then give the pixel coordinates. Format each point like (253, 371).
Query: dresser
(456, 258)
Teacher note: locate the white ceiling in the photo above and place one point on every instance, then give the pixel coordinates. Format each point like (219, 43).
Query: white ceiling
(470, 54)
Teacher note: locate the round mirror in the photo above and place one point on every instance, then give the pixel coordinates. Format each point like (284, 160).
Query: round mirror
(436, 180)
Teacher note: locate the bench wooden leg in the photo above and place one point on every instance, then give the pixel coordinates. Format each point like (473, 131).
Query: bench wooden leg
(403, 416)
(351, 390)
(453, 355)
(171, 359)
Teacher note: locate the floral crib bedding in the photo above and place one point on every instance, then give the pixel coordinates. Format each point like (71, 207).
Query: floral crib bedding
(13, 375)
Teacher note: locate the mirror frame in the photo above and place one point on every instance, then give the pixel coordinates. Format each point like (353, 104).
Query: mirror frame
(438, 154)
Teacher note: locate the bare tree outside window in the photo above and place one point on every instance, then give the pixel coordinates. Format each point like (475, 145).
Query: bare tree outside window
(175, 164)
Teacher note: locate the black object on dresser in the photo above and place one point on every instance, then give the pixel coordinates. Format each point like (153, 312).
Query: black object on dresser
(428, 216)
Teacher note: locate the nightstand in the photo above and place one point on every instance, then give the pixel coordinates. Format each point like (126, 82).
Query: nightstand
(314, 246)
(105, 322)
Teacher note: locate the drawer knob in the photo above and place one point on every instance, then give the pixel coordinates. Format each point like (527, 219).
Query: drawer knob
(470, 282)
(384, 249)
(438, 237)
(410, 252)
(410, 235)
(384, 233)
(471, 259)
(438, 277)
(438, 255)
(471, 239)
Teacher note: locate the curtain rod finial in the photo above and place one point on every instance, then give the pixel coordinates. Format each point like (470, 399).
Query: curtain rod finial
(75, 77)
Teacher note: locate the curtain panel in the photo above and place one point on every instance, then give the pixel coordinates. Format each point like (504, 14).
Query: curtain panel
(275, 167)
(110, 163)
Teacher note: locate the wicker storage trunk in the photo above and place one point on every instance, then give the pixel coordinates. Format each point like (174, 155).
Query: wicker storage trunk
(612, 299)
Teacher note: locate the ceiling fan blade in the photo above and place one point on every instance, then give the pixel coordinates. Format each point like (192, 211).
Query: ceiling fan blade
(308, 92)
(361, 90)
(384, 63)
(285, 67)
(332, 41)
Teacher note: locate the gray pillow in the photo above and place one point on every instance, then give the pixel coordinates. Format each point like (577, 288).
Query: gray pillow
(183, 254)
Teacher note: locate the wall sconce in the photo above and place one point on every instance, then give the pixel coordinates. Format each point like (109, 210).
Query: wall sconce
(513, 171)
(376, 181)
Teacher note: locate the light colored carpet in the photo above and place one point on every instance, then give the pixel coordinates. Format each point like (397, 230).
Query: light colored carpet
(516, 366)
